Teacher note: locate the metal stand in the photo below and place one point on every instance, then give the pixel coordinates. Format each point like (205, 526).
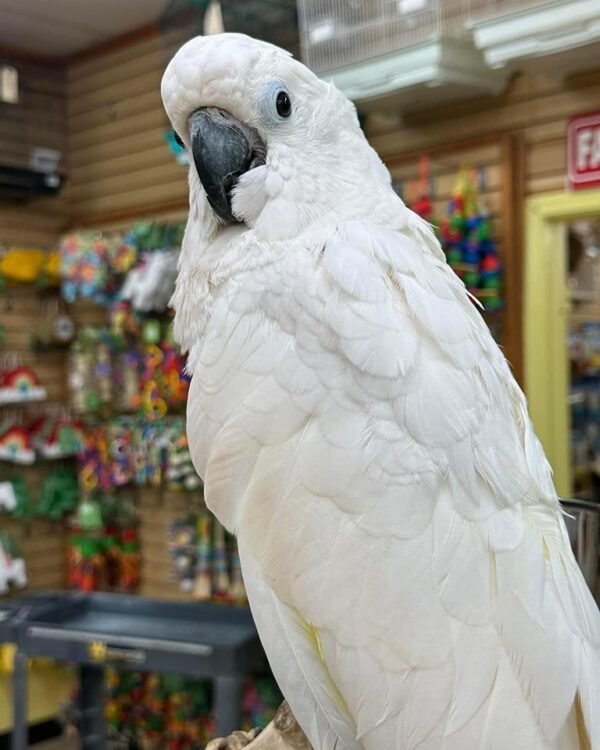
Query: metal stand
(93, 631)
(91, 705)
(20, 738)
(227, 704)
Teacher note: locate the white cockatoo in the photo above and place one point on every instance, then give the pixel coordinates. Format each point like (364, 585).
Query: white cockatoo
(359, 430)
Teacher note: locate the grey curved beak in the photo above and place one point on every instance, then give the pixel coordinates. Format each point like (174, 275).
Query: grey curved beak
(223, 149)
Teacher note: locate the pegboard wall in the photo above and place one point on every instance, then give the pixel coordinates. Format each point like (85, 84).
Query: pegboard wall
(44, 543)
(38, 120)
(23, 311)
(156, 512)
(443, 172)
(156, 507)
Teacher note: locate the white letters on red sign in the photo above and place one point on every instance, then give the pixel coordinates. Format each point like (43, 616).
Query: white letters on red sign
(584, 150)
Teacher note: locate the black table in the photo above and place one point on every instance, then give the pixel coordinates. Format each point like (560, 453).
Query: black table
(99, 630)
(16, 610)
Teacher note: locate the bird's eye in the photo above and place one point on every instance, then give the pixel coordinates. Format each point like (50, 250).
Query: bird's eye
(178, 140)
(283, 104)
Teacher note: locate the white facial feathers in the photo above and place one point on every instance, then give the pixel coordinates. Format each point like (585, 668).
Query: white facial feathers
(314, 150)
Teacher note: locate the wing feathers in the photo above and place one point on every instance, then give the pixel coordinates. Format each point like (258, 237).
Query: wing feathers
(405, 557)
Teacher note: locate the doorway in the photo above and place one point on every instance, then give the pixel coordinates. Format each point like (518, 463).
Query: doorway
(562, 335)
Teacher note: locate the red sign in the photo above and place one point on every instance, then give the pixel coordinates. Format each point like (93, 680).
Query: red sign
(583, 144)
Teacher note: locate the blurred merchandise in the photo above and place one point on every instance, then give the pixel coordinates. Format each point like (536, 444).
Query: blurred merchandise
(262, 698)
(423, 205)
(149, 286)
(110, 368)
(18, 382)
(59, 494)
(15, 442)
(12, 564)
(22, 264)
(205, 558)
(8, 498)
(583, 345)
(14, 498)
(46, 437)
(104, 551)
(138, 266)
(57, 498)
(467, 241)
(30, 265)
(56, 329)
(134, 450)
(56, 436)
(172, 712)
(91, 263)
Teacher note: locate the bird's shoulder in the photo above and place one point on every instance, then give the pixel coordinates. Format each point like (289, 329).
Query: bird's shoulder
(377, 323)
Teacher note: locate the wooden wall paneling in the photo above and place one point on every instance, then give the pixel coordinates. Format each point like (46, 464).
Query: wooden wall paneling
(84, 80)
(126, 164)
(141, 175)
(143, 201)
(553, 130)
(37, 120)
(120, 162)
(534, 107)
(513, 166)
(87, 313)
(546, 184)
(157, 509)
(22, 312)
(13, 234)
(42, 543)
(131, 215)
(115, 46)
(100, 154)
(40, 216)
(43, 549)
(174, 211)
(445, 177)
(546, 159)
(94, 97)
(126, 105)
(120, 127)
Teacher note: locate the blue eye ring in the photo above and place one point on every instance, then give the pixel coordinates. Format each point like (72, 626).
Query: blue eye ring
(283, 104)
(276, 103)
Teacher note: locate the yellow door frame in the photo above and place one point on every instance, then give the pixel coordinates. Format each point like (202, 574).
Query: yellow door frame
(546, 307)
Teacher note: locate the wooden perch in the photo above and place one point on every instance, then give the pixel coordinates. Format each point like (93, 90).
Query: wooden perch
(283, 733)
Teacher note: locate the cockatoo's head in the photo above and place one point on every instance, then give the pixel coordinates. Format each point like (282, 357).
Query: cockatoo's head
(273, 146)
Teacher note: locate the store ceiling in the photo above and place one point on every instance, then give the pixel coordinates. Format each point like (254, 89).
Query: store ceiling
(57, 28)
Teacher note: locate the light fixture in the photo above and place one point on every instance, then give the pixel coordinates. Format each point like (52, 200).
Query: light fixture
(213, 19)
(9, 84)
(322, 31)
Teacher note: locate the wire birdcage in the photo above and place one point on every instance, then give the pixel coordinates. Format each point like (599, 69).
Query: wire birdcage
(338, 33)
